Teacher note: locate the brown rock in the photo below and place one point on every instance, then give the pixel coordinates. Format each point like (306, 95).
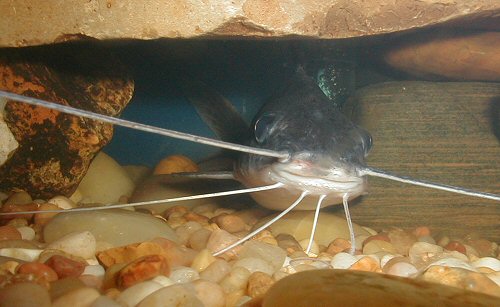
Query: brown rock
(448, 55)
(56, 149)
(40, 270)
(355, 288)
(128, 253)
(42, 23)
(142, 269)
(17, 208)
(65, 267)
(9, 233)
(230, 222)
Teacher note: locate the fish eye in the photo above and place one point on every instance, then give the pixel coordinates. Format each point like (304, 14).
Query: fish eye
(368, 141)
(264, 126)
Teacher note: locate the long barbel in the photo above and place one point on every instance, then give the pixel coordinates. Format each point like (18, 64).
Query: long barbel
(231, 146)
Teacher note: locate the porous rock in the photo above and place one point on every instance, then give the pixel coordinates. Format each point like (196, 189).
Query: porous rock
(56, 149)
(42, 22)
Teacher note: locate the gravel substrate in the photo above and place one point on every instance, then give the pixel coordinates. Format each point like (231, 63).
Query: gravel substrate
(134, 258)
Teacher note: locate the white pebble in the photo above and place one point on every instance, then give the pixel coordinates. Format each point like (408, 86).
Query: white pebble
(104, 301)
(403, 269)
(343, 261)
(163, 280)
(487, 262)
(80, 297)
(272, 254)
(236, 280)
(220, 239)
(136, 293)
(25, 254)
(62, 202)
(183, 274)
(216, 271)
(358, 241)
(210, 293)
(314, 246)
(371, 231)
(27, 233)
(95, 270)
(175, 295)
(255, 265)
(386, 258)
(453, 263)
(243, 300)
(81, 244)
(426, 239)
(202, 260)
(495, 276)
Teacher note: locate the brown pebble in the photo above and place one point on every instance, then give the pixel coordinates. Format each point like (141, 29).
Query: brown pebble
(18, 223)
(367, 264)
(288, 243)
(65, 267)
(380, 236)
(40, 270)
(91, 281)
(456, 246)
(142, 269)
(258, 284)
(422, 231)
(230, 222)
(112, 293)
(175, 164)
(337, 246)
(175, 209)
(43, 218)
(18, 208)
(195, 217)
(198, 239)
(9, 233)
(484, 247)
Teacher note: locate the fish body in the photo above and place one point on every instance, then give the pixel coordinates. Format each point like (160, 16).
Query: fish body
(327, 150)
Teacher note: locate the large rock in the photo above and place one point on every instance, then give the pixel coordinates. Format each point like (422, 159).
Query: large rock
(26, 23)
(354, 288)
(56, 149)
(473, 56)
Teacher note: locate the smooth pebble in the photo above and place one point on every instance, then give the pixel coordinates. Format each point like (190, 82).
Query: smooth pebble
(81, 244)
(272, 254)
(216, 271)
(487, 262)
(403, 269)
(181, 275)
(136, 293)
(81, 297)
(27, 233)
(343, 261)
(210, 293)
(236, 280)
(116, 227)
(25, 254)
(24, 295)
(175, 295)
(254, 264)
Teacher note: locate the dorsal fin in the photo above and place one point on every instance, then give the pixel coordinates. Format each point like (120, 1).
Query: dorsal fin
(217, 112)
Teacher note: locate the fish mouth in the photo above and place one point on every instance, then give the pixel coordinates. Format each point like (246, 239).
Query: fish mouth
(317, 181)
